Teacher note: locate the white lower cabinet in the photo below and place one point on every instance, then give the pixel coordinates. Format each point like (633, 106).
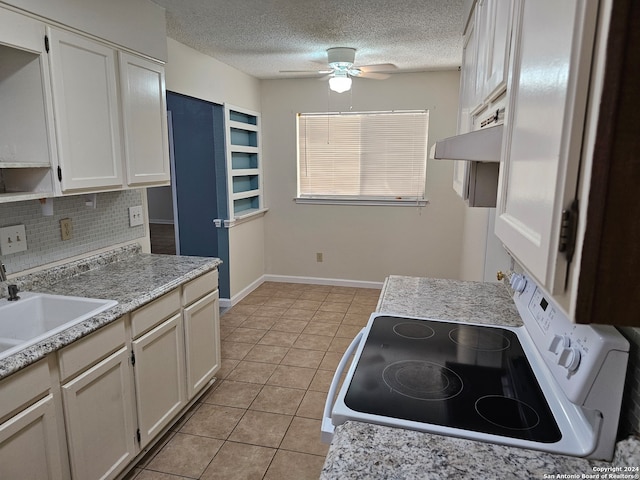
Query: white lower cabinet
(90, 409)
(99, 415)
(32, 444)
(201, 329)
(159, 377)
(29, 445)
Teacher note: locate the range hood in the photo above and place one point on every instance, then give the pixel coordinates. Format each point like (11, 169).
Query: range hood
(482, 145)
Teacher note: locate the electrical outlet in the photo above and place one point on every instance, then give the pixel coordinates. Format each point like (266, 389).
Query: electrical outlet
(319, 257)
(66, 229)
(13, 239)
(135, 216)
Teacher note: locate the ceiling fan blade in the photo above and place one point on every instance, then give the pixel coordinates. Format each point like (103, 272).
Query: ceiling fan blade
(374, 75)
(380, 67)
(316, 72)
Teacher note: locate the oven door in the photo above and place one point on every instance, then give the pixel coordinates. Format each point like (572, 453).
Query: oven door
(575, 434)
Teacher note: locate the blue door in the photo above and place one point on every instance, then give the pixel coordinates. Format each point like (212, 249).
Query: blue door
(200, 181)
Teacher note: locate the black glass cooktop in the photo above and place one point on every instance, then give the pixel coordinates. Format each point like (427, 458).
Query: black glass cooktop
(461, 376)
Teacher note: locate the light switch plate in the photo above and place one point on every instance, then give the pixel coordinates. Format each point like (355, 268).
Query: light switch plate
(135, 216)
(13, 239)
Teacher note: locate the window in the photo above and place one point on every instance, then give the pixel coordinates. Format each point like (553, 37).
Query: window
(365, 157)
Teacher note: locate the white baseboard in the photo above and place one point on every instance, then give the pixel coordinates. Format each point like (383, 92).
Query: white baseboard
(336, 282)
(225, 303)
(230, 302)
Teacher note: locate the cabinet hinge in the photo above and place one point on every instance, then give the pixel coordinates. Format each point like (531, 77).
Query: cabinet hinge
(138, 436)
(133, 358)
(46, 43)
(568, 229)
(59, 173)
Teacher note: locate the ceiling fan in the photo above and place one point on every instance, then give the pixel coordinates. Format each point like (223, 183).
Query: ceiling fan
(341, 69)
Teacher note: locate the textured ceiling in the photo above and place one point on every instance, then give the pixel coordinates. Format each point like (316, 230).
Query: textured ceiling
(262, 37)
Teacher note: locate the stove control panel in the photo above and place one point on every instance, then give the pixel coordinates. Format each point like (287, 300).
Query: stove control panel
(573, 353)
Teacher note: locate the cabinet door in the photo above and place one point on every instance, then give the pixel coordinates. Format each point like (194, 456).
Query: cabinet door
(98, 409)
(496, 47)
(202, 341)
(468, 103)
(29, 446)
(84, 84)
(159, 377)
(481, 33)
(543, 129)
(144, 112)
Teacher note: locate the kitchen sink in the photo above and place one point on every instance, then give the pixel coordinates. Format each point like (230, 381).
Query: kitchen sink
(36, 316)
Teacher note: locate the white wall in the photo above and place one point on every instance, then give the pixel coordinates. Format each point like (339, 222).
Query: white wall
(362, 243)
(139, 25)
(192, 73)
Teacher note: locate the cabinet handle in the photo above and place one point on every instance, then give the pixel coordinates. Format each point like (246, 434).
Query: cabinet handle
(568, 228)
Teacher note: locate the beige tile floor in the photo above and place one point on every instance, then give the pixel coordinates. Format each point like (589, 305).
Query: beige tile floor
(261, 419)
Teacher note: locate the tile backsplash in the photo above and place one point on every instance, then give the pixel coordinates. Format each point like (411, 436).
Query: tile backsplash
(93, 228)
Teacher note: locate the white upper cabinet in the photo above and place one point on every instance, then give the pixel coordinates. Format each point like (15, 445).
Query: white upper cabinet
(548, 85)
(26, 116)
(469, 100)
(497, 32)
(486, 54)
(144, 114)
(492, 37)
(78, 114)
(85, 97)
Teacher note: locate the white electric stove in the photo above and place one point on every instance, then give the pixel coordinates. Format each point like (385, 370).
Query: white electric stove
(549, 385)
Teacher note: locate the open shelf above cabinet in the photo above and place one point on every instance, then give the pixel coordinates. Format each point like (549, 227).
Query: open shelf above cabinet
(26, 122)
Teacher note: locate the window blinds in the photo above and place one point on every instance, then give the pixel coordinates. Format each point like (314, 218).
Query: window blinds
(366, 155)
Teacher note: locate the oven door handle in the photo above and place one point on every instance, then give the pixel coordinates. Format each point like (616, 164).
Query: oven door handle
(327, 426)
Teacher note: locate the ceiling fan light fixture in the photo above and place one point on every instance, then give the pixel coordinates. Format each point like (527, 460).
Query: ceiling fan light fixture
(340, 82)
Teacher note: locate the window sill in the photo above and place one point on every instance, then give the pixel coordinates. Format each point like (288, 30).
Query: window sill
(360, 201)
(250, 215)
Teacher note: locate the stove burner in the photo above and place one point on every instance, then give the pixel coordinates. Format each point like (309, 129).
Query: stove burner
(479, 338)
(422, 380)
(418, 331)
(507, 412)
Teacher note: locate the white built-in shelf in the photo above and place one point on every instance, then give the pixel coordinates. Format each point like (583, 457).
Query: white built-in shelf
(244, 162)
(24, 165)
(22, 196)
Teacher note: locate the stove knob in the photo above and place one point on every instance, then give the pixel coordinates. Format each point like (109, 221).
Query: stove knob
(518, 282)
(569, 359)
(559, 343)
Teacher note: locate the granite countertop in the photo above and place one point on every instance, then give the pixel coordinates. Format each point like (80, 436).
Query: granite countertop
(126, 275)
(361, 450)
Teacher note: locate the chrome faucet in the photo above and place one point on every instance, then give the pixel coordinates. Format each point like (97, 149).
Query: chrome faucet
(3, 273)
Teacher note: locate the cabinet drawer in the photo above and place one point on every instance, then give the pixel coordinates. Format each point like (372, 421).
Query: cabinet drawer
(24, 387)
(199, 287)
(90, 350)
(147, 317)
